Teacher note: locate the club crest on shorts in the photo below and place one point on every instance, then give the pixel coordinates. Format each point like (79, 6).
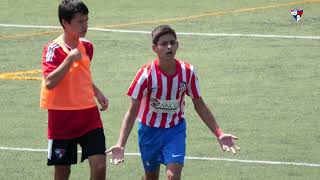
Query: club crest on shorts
(296, 14)
(147, 163)
(60, 152)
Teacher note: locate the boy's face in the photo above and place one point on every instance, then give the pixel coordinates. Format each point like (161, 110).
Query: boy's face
(166, 47)
(78, 26)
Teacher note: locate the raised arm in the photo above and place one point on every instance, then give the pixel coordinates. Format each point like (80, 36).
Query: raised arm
(53, 79)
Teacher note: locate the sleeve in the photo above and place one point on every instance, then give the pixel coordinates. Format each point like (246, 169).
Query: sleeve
(138, 88)
(193, 89)
(50, 58)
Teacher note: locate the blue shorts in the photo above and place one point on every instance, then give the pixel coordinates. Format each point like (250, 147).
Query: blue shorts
(162, 145)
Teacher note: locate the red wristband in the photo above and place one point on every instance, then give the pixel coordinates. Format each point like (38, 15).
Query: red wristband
(218, 132)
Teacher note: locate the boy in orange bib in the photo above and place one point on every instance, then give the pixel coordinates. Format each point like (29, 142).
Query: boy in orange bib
(68, 93)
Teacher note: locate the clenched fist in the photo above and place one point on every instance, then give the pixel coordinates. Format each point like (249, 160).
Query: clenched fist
(75, 54)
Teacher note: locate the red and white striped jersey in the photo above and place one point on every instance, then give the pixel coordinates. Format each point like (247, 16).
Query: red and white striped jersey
(162, 95)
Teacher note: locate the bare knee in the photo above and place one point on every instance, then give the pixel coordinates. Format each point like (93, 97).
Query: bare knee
(98, 171)
(174, 171)
(98, 167)
(62, 172)
(171, 175)
(154, 175)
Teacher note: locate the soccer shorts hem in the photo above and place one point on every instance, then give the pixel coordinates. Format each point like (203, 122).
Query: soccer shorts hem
(64, 152)
(162, 145)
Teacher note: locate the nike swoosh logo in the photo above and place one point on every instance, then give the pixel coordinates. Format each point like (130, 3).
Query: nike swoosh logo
(176, 155)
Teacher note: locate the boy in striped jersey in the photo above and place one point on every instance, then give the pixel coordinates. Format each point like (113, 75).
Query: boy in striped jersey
(157, 101)
(68, 94)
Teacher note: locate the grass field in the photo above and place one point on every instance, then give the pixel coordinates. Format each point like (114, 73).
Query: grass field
(265, 90)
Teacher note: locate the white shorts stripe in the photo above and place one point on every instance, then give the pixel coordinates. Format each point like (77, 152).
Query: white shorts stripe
(50, 141)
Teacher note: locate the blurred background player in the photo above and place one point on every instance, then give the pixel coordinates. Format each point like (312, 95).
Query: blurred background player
(68, 93)
(157, 101)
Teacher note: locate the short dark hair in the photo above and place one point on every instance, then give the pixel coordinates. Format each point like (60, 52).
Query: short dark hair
(160, 31)
(68, 8)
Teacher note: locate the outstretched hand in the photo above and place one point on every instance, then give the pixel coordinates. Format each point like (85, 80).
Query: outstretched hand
(117, 154)
(227, 144)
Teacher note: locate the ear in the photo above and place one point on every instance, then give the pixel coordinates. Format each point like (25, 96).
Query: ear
(177, 44)
(154, 48)
(64, 23)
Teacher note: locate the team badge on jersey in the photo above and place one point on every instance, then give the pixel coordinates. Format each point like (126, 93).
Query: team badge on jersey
(182, 86)
(60, 152)
(296, 14)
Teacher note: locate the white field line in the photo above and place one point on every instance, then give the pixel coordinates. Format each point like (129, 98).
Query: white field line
(181, 33)
(190, 157)
(30, 26)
